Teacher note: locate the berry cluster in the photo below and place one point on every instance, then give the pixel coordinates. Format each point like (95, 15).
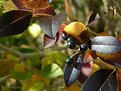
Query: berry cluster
(72, 44)
(70, 41)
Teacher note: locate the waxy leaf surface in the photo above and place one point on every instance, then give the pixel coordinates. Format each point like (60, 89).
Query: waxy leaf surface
(72, 71)
(105, 44)
(102, 80)
(14, 22)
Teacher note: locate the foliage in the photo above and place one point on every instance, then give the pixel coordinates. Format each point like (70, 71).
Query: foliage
(33, 54)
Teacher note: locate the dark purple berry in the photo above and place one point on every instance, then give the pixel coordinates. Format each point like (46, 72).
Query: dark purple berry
(70, 39)
(64, 37)
(83, 47)
(69, 61)
(71, 44)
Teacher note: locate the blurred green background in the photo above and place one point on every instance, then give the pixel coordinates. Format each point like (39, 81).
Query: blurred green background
(25, 65)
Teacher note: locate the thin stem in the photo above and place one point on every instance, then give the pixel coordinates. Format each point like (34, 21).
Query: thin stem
(29, 55)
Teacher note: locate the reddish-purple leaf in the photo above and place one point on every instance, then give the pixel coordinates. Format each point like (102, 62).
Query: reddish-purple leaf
(48, 41)
(56, 22)
(86, 68)
(14, 22)
(45, 24)
(102, 80)
(51, 24)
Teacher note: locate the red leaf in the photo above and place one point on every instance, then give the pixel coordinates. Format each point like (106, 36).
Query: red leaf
(86, 68)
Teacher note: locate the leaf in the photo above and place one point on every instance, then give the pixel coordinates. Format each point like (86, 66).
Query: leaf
(6, 66)
(51, 71)
(93, 17)
(108, 49)
(69, 11)
(21, 72)
(56, 22)
(9, 5)
(76, 30)
(86, 68)
(14, 22)
(50, 25)
(113, 59)
(119, 78)
(105, 44)
(37, 7)
(72, 71)
(29, 85)
(102, 80)
(54, 57)
(21, 75)
(48, 41)
(72, 88)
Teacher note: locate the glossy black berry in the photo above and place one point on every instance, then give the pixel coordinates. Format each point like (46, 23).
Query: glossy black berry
(83, 47)
(64, 37)
(70, 39)
(69, 61)
(71, 44)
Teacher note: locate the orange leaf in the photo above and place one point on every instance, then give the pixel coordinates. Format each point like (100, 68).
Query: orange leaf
(37, 7)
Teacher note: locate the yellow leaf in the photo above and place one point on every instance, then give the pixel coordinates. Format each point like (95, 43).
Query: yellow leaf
(72, 88)
(20, 68)
(9, 5)
(74, 30)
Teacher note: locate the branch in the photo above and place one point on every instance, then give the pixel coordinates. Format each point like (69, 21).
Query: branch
(29, 55)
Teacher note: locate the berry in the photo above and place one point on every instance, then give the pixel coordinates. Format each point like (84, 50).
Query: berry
(70, 39)
(83, 47)
(69, 61)
(71, 44)
(64, 37)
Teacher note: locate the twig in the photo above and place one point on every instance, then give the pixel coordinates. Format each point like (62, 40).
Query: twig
(117, 6)
(29, 55)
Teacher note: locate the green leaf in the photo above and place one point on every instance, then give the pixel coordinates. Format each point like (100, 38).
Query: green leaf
(51, 71)
(54, 57)
(21, 75)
